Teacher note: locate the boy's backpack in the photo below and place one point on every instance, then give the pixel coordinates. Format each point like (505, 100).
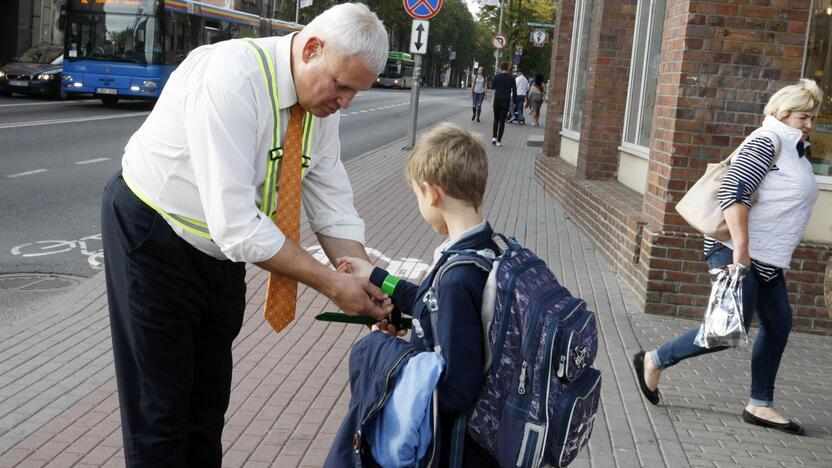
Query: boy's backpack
(538, 404)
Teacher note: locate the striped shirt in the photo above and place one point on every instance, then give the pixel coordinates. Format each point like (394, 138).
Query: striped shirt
(748, 168)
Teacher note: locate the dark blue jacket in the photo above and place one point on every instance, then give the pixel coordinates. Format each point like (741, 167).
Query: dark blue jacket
(460, 334)
(375, 361)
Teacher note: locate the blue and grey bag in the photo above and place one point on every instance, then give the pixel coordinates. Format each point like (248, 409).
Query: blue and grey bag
(538, 404)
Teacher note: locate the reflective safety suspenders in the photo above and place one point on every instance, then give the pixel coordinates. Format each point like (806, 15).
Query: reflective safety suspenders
(268, 204)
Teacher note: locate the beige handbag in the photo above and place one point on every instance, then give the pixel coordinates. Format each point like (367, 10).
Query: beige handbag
(700, 205)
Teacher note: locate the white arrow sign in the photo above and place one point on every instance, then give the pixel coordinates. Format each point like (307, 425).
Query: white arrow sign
(419, 37)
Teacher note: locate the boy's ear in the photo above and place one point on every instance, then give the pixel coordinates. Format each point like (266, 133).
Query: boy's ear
(433, 192)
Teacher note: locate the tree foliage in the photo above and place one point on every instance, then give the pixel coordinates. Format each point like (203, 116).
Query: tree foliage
(454, 32)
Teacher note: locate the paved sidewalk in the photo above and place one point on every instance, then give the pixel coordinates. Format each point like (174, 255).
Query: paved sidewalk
(58, 405)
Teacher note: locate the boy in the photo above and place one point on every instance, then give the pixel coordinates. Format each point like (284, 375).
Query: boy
(447, 171)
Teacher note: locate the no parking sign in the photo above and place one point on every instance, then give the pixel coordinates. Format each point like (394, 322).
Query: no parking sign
(422, 9)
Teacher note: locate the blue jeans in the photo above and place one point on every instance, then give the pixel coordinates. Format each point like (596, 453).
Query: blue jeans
(771, 302)
(477, 99)
(518, 107)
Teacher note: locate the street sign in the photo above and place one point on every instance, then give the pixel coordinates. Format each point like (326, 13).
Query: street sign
(453, 55)
(539, 37)
(422, 9)
(476, 65)
(541, 25)
(519, 51)
(499, 42)
(419, 37)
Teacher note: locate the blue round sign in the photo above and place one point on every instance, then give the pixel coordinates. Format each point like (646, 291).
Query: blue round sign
(422, 9)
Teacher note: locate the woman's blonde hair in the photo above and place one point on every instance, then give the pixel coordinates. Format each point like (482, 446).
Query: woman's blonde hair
(801, 97)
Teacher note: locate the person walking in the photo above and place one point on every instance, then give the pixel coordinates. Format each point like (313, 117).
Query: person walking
(193, 204)
(522, 85)
(479, 88)
(765, 230)
(536, 96)
(504, 90)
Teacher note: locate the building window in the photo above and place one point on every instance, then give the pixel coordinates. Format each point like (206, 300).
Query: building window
(644, 73)
(576, 79)
(818, 66)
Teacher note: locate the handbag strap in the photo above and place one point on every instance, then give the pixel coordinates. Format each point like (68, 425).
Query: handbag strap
(775, 138)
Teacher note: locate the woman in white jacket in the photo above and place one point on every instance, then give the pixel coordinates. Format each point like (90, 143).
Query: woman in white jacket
(764, 234)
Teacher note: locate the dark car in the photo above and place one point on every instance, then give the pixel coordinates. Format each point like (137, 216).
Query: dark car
(37, 71)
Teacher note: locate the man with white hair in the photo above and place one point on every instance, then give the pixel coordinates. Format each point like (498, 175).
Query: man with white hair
(242, 131)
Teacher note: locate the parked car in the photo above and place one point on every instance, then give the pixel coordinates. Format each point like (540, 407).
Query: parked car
(37, 71)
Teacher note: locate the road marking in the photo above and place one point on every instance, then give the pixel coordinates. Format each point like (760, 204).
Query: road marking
(35, 123)
(21, 174)
(46, 103)
(90, 161)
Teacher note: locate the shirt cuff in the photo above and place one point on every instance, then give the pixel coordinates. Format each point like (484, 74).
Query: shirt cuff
(263, 243)
(338, 225)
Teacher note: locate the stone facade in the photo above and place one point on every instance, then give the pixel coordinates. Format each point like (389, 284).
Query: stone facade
(719, 64)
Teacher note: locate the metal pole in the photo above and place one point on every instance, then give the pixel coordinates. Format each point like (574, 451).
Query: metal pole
(297, 11)
(414, 101)
(499, 31)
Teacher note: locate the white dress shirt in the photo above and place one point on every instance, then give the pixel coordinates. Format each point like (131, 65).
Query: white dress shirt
(522, 84)
(202, 152)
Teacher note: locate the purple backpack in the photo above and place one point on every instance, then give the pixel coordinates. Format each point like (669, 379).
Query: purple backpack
(538, 404)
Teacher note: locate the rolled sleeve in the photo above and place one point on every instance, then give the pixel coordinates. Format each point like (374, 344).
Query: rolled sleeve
(327, 193)
(222, 136)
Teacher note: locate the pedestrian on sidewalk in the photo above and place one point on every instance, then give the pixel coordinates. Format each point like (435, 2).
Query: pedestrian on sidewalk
(505, 89)
(522, 87)
(536, 97)
(193, 204)
(447, 171)
(479, 88)
(765, 230)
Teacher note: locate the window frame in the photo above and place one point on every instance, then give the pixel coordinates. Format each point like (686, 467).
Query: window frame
(824, 182)
(633, 147)
(577, 48)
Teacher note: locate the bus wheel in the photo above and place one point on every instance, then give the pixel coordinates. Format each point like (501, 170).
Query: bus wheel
(109, 100)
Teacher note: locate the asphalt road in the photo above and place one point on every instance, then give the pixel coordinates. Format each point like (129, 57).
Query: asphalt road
(56, 156)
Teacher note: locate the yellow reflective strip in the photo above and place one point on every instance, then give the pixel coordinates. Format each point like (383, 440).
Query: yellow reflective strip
(189, 224)
(272, 166)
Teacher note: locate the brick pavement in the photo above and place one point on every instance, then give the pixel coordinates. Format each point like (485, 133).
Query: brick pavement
(58, 405)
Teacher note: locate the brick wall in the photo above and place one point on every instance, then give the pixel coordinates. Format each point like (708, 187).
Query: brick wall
(720, 63)
(562, 41)
(608, 57)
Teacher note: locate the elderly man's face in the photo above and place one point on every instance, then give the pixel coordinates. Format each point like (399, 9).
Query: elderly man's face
(326, 81)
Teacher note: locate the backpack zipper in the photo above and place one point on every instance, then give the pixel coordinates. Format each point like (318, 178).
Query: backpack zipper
(383, 397)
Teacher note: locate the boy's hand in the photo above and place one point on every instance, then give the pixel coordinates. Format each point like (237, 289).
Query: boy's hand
(354, 266)
(385, 326)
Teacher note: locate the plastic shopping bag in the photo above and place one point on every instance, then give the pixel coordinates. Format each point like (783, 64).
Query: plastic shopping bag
(723, 325)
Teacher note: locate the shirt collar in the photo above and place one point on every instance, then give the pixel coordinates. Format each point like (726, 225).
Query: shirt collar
(283, 63)
(459, 241)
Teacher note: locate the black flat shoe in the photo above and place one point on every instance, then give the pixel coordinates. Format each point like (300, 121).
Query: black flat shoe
(790, 427)
(638, 364)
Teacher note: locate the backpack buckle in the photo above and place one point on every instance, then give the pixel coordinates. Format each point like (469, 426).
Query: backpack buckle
(430, 300)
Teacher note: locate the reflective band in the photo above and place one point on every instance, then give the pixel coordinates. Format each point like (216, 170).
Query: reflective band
(189, 224)
(389, 285)
(268, 204)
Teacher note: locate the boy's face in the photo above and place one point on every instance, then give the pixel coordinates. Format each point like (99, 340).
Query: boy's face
(427, 196)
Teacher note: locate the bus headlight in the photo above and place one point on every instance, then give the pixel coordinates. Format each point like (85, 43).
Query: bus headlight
(149, 84)
(134, 88)
(2, 74)
(78, 84)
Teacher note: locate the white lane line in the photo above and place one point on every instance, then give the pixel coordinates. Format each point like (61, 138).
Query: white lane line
(35, 123)
(90, 161)
(67, 103)
(21, 174)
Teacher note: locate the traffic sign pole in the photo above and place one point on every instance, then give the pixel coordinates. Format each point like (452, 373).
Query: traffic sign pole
(499, 32)
(414, 101)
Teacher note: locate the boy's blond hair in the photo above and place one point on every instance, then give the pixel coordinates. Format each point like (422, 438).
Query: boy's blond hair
(453, 159)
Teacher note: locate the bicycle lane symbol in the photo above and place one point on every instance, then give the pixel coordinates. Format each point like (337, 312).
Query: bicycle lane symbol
(95, 257)
(405, 267)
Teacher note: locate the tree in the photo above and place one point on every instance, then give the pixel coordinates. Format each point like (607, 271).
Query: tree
(516, 15)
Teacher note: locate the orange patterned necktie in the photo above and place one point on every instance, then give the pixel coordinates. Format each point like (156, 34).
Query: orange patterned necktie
(282, 295)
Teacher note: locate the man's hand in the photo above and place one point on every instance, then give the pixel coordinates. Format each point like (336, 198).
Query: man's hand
(357, 296)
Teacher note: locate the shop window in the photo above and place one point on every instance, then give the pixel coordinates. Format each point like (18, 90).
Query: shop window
(818, 66)
(576, 78)
(644, 73)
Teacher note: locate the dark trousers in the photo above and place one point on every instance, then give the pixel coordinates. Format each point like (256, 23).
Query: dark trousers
(770, 301)
(174, 313)
(500, 113)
